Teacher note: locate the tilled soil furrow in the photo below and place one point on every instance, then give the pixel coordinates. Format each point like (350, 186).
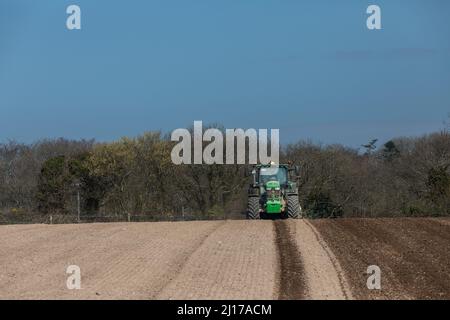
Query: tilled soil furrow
(284, 259)
(237, 261)
(420, 243)
(357, 247)
(292, 284)
(127, 261)
(324, 275)
(412, 254)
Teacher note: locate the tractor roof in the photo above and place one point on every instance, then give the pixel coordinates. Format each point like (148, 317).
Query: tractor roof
(272, 165)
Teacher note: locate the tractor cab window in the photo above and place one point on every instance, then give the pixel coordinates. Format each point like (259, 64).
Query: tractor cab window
(267, 174)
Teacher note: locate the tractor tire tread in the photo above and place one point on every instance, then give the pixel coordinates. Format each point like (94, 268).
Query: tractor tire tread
(294, 210)
(253, 208)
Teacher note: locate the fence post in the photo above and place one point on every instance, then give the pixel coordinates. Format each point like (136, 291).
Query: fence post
(129, 217)
(78, 205)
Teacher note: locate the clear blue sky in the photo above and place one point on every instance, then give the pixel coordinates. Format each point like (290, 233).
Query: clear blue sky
(309, 68)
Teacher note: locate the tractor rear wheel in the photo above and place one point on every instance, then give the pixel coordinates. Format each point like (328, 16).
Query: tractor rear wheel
(253, 208)
(294, 211)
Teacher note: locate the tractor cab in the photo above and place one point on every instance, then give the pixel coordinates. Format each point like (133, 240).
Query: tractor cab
(273, 173)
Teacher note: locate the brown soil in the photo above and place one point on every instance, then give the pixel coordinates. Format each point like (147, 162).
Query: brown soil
(412, 253)
(117, 261)
(289, 259)
(236, 261)
(291, 274)
(324, 277)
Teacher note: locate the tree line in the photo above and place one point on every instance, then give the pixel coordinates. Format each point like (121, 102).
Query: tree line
(135, 176)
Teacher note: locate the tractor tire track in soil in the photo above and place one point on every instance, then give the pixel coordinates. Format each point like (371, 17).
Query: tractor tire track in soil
(324, 275)
(291, 274)
(183, 261)
(236, 261)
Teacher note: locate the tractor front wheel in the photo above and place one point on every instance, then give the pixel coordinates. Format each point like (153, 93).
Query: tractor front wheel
(294, 211)
(253, 208)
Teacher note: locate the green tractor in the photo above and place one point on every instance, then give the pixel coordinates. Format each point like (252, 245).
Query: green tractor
(274, 192)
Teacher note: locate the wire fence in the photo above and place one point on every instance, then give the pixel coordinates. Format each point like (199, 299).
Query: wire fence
(34, 218)
(318, 210)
